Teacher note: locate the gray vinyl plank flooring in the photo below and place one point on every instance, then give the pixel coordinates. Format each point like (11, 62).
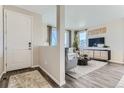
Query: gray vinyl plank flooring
(105, 77)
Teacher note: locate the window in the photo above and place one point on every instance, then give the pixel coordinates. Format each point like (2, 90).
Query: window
(53, 39)
(82, 39)
(66, 43)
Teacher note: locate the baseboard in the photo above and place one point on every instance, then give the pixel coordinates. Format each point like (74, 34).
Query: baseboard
(57, 82)
(35, 66)
(117, 62)
(50, 75)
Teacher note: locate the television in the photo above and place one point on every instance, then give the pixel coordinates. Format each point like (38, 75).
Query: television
(93, 42)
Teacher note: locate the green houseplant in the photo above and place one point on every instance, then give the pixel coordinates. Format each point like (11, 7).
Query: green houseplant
(76, 42)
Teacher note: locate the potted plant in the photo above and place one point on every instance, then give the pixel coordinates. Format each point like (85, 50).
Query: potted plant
(76, 43)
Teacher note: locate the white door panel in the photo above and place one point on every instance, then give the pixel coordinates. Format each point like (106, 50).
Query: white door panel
(18, 36)
(18, 59)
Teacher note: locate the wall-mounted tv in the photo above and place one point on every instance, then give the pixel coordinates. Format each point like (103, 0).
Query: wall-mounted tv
(92, 42)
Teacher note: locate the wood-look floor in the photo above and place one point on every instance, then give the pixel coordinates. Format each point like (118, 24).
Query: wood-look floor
(105, 77)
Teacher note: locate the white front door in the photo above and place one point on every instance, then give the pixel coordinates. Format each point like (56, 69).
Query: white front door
(18, 40)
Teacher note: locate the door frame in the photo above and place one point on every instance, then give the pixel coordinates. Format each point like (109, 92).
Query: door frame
(5, 36)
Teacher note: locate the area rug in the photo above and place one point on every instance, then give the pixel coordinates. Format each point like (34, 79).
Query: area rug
(32, 79)
(121, 83)
(79, 71)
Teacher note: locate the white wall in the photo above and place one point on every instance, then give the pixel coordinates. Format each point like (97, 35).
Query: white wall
(60, 40)
(72, 37)
(52, 59)
(37, 38)
(49, 57)
(113, 38)
(49, 61)
(1, 41)
(44, 35)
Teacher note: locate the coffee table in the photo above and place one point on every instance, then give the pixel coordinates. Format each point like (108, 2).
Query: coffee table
(82, 61)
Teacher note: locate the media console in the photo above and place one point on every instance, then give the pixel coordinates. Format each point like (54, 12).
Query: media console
(102, 54)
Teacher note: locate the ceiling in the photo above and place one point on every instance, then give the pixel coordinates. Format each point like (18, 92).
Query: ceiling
(79, 16)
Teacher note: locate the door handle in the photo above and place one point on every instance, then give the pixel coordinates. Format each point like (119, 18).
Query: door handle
(29, 45)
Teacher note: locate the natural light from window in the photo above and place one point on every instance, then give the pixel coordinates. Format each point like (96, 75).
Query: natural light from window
(54, 37)
(66, 44)
(82, 39)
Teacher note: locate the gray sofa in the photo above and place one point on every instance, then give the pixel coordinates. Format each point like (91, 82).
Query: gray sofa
(70, 59)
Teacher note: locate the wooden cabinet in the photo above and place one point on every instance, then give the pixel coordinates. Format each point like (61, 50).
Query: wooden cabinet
(89, 53)
(98, 54)
(104, 55)
(86, 52)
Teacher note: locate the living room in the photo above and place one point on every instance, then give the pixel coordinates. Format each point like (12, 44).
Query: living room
(67, 47)
(109, 48)
(104, 29)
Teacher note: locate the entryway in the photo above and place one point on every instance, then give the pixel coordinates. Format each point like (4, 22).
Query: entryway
(17, 40)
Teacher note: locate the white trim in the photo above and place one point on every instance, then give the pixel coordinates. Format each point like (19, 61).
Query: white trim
(117, 62)
(50, 75)
(5, 41)
(1, 75)
(32, 29)
(5, 37)
(60, 84)
(36, 66)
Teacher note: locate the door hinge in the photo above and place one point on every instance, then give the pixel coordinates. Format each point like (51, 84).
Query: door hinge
(6, 65)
